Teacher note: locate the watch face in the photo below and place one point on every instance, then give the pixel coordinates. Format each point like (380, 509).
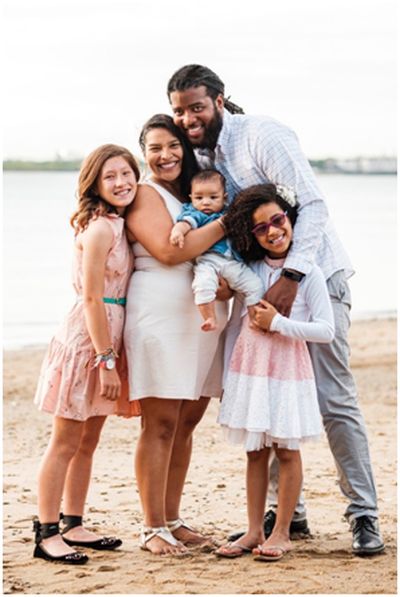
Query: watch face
(295, 276)
(110, 363)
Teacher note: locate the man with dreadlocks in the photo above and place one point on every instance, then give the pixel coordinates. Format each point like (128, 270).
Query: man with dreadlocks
(250, 150)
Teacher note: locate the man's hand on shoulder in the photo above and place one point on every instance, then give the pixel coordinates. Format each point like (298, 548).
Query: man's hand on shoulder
(282, 295)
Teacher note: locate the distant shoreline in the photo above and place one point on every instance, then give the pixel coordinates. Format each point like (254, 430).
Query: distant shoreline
(45, 166)
(359, 165)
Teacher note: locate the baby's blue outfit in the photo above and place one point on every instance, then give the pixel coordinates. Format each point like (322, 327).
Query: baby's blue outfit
(220, 260)
(197, 219)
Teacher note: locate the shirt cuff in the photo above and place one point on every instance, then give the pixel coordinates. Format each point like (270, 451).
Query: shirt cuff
(275, 323)
(299, 264)
(189, 220)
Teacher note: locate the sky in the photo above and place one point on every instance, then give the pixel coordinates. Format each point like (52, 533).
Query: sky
(80, 73)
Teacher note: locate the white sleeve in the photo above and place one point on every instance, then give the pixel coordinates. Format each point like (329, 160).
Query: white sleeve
(321, 327)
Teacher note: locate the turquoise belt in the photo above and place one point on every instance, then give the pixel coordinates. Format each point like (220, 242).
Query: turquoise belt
(114, 301)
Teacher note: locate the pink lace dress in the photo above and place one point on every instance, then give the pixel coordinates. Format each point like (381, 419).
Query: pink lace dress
(68, 385)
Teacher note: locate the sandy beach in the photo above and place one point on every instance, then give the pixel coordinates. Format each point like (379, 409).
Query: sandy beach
(214, 499)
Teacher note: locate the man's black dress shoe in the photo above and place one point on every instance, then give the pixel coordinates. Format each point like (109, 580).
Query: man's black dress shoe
(297, 527)
(366, 536)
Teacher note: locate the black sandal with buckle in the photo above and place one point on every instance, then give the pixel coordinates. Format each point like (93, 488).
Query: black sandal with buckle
(104, 543)
(50, 529)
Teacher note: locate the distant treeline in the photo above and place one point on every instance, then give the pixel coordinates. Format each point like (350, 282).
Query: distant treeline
(385, 165)
(47, 166)
(55, 165)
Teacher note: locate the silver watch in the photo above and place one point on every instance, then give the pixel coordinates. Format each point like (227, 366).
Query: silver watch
(108, 362)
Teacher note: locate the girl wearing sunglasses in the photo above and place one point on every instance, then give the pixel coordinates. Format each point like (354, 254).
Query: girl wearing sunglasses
(270, 401)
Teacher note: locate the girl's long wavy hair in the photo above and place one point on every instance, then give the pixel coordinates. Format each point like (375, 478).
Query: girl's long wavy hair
(90, 204)
(239, 218)
(189, 162)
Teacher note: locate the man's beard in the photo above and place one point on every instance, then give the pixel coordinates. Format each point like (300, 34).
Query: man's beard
(211, 132)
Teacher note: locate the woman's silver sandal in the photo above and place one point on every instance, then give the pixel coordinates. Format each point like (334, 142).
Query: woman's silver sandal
(163, 533)
(178, 523)
(173, 525)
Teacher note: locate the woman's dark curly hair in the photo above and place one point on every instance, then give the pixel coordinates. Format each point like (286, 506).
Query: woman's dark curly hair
(239, 218)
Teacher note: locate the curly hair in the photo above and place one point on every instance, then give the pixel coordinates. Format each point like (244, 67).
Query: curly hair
(90, 204)
(195, 75)
(189, 162)
(239, 223)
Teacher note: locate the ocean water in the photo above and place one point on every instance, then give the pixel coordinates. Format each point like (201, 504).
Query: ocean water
(38, 244)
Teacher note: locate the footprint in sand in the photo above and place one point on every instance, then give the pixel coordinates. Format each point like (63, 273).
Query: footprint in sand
(106, 568)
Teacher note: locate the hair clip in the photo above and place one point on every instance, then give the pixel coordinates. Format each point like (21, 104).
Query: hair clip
(287, 194)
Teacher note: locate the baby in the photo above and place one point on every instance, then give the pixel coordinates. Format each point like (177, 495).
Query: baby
(208, 202)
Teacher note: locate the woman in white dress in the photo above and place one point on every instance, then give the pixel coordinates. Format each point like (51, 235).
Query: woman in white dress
(174, 367)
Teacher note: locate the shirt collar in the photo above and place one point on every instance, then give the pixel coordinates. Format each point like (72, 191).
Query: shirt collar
(222, 141)
(223, 137)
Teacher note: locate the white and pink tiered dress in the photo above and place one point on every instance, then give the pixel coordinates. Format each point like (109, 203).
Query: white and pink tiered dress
(269, 391)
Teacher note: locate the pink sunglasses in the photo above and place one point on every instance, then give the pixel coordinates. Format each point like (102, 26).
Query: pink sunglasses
(276, 221)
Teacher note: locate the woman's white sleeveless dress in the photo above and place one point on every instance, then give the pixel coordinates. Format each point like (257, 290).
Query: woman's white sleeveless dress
(169, 356)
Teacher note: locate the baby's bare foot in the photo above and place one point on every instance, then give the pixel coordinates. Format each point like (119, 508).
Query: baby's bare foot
(209, 325)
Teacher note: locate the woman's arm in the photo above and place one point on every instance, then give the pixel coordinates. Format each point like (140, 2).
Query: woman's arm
(150, 223)
(96, 242)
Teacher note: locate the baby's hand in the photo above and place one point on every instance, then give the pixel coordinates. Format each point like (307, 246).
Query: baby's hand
(264, 314)
(177, 238)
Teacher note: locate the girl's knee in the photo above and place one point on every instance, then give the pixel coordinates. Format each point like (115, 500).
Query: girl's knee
(257, 455)
(91, 435)
(88, 445)
(285, 455)
(64, 448)
(65, 437)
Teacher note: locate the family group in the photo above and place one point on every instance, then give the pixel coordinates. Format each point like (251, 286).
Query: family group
(228, 208)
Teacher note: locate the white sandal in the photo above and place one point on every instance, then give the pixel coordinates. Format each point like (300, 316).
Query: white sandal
(173, 525)
(149, 533)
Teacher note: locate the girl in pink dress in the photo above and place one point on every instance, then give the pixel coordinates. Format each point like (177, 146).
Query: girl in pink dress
(270, 399)
(83, 377)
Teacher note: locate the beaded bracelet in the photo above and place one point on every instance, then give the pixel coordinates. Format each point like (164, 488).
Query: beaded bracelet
(104, 356)
(221, 223)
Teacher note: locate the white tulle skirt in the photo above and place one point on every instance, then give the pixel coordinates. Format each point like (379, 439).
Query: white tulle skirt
(269, 394)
